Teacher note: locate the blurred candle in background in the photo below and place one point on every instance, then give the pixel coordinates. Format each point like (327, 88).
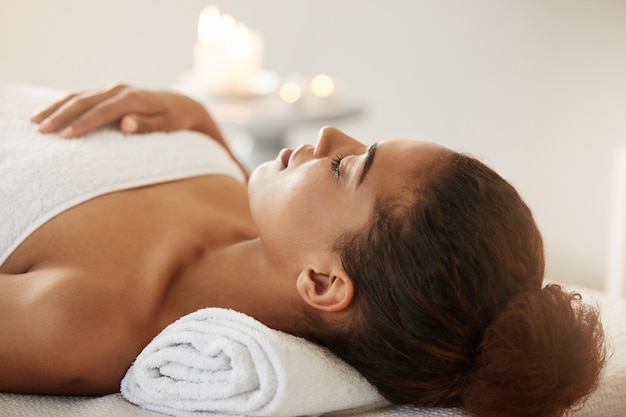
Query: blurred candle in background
(309, 92)
(227, 55)
(290, 92)
(322, 86)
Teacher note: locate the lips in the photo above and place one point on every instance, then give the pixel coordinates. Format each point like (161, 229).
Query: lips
(284, 156)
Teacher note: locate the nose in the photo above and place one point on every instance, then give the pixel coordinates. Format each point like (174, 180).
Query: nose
(332, 141)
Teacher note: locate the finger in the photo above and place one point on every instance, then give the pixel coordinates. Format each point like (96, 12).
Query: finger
(42, 114)
(105, 112)
(144, 123)
(130, 123)
(75, 107)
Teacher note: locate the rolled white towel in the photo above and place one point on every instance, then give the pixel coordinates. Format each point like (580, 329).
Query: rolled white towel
(221, 362)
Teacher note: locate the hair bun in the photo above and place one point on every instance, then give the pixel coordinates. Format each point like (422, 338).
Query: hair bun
(541, 356)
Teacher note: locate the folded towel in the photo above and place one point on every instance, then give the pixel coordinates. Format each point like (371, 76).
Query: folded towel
(221, 362)
(44, 175)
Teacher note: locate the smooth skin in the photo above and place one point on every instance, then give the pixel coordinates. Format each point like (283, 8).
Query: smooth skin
(82, 295)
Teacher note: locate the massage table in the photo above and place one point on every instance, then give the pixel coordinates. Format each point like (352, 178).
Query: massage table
(608, 401)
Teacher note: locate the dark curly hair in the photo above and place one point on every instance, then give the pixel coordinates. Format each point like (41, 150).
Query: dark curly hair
(449, 308)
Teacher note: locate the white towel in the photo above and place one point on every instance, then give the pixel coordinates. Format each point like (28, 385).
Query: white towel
(221, 362)
(43, 175)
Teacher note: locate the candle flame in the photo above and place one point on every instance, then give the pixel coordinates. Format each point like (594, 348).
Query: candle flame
(224, 29)
(227, 55)
(209, 24)
(239, 44)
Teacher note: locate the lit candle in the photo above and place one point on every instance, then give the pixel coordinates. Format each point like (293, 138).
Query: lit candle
(227, 55)
(308, 93)
(290, 92)
(322, 86)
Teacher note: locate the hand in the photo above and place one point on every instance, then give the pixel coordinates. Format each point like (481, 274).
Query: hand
(137, 110)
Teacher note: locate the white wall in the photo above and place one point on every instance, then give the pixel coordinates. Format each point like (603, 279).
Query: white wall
(535, 88)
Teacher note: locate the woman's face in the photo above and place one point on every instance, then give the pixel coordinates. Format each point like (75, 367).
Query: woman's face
(308, 197)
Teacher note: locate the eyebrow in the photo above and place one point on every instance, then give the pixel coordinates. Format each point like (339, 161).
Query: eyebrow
(369, 160)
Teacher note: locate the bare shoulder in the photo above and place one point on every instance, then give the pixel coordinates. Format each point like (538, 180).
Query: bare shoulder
(82, 296)
(59, 336)
(130, 223)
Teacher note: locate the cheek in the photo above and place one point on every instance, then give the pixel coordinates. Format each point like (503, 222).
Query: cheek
(281, 200)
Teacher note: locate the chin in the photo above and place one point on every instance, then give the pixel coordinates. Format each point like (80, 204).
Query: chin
(260, 175)
(260, 185)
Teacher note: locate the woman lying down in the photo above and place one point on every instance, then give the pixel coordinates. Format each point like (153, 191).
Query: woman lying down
(417, 265)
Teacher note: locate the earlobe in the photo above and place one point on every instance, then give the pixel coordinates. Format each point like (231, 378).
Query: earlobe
(326, 292)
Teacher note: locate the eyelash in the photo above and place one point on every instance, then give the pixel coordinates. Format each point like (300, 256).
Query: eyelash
(335, 164)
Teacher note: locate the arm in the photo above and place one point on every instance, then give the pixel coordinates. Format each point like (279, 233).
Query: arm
(33, 337)
(55, 339)
(136, 110)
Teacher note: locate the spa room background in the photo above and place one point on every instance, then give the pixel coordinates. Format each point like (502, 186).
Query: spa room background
(534, 88)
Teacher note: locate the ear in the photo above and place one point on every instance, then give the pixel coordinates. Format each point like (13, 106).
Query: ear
(330, 292)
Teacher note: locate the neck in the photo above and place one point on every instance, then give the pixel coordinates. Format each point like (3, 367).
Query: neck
(241, 278)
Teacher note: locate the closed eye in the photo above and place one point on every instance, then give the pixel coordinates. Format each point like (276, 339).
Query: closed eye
(336, 165)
